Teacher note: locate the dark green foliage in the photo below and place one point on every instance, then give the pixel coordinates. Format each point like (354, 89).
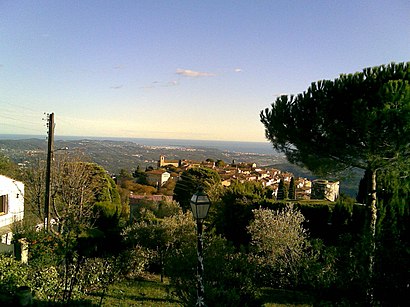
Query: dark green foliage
(393, 232)
(124, 175)
(322, 219)
(235, 210)
(107, 198)
(282, 191)
(359, 120)
(363, 194)
(8, 168)
(232, 218)
(393, 235)
(191, 180)
(220, 163)
(140, 176)
(292, 189)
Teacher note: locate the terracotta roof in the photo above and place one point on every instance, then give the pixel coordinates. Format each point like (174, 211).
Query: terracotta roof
(157, 172)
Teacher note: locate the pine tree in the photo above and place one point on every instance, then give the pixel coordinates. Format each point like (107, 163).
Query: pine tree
(359, 120)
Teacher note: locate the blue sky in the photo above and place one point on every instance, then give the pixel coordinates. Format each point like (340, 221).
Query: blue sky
(180, 69)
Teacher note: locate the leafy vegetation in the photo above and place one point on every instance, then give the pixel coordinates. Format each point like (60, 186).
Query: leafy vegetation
(258, 250)
(191, 180)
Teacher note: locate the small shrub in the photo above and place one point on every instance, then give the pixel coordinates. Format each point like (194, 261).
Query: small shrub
(133, 261)
(13, 274)
(43, 281)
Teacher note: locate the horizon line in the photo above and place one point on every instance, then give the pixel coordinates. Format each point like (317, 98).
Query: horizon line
(79, 137)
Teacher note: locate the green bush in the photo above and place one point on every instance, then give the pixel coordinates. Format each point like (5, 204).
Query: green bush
(228, 275)
(134, 261)
(13, 274)
(43, 281)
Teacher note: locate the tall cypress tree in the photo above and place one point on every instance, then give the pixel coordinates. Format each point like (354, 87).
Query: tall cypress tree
(282, 191)
(292, 189)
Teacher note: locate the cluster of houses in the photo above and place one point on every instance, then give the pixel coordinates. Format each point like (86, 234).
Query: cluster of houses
(305, 189)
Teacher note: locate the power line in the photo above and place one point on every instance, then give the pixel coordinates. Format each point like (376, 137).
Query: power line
(21, 117)
(20, 120)
(20, 106)
(21, 127)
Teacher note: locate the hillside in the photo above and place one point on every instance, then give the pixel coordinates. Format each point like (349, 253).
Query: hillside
(117, 155)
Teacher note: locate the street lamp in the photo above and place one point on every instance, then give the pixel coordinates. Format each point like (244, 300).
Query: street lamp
(200, 204)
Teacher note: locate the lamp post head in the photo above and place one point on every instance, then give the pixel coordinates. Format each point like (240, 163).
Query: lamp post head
(200, 204)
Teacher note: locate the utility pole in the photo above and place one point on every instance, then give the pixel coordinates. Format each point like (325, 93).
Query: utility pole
(50, 150)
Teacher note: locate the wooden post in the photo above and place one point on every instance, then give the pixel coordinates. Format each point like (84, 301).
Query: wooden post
(50, 150)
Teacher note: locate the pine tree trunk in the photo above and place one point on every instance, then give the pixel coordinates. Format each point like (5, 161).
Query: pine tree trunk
(372, 234)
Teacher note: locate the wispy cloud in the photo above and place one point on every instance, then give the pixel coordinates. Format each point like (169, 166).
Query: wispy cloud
(157, 84)
(238, 69)
(116, 87)
(193, 74)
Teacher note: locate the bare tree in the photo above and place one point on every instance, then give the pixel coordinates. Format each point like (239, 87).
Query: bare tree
(74, 185)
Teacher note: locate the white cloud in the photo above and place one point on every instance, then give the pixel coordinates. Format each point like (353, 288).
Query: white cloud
(193, 74)
(238, 69)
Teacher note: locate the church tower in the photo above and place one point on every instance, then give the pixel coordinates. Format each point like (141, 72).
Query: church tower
(161, 161)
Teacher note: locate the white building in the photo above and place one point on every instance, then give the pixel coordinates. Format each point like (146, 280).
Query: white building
(11, 206)
(324, 189)
(158, 177)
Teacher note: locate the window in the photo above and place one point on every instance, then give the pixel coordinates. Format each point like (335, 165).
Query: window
(4, 204)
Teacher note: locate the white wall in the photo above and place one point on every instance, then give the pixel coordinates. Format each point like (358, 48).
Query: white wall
(15, 191)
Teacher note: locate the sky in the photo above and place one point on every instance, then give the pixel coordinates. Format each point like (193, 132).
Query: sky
(199, 70)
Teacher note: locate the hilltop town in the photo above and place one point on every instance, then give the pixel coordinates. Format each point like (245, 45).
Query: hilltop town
(170, 170)
(115, 156)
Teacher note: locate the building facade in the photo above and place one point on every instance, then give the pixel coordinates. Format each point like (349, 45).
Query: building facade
(324, 189)
(11, 206)
(158, 177)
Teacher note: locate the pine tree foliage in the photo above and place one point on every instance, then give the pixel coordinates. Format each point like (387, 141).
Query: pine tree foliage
(359, 120)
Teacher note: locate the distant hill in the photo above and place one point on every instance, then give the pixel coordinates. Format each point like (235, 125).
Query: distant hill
(116, 155)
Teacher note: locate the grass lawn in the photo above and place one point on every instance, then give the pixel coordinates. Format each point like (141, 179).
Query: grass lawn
(281, 298)
(151, 292)
(144, 292)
